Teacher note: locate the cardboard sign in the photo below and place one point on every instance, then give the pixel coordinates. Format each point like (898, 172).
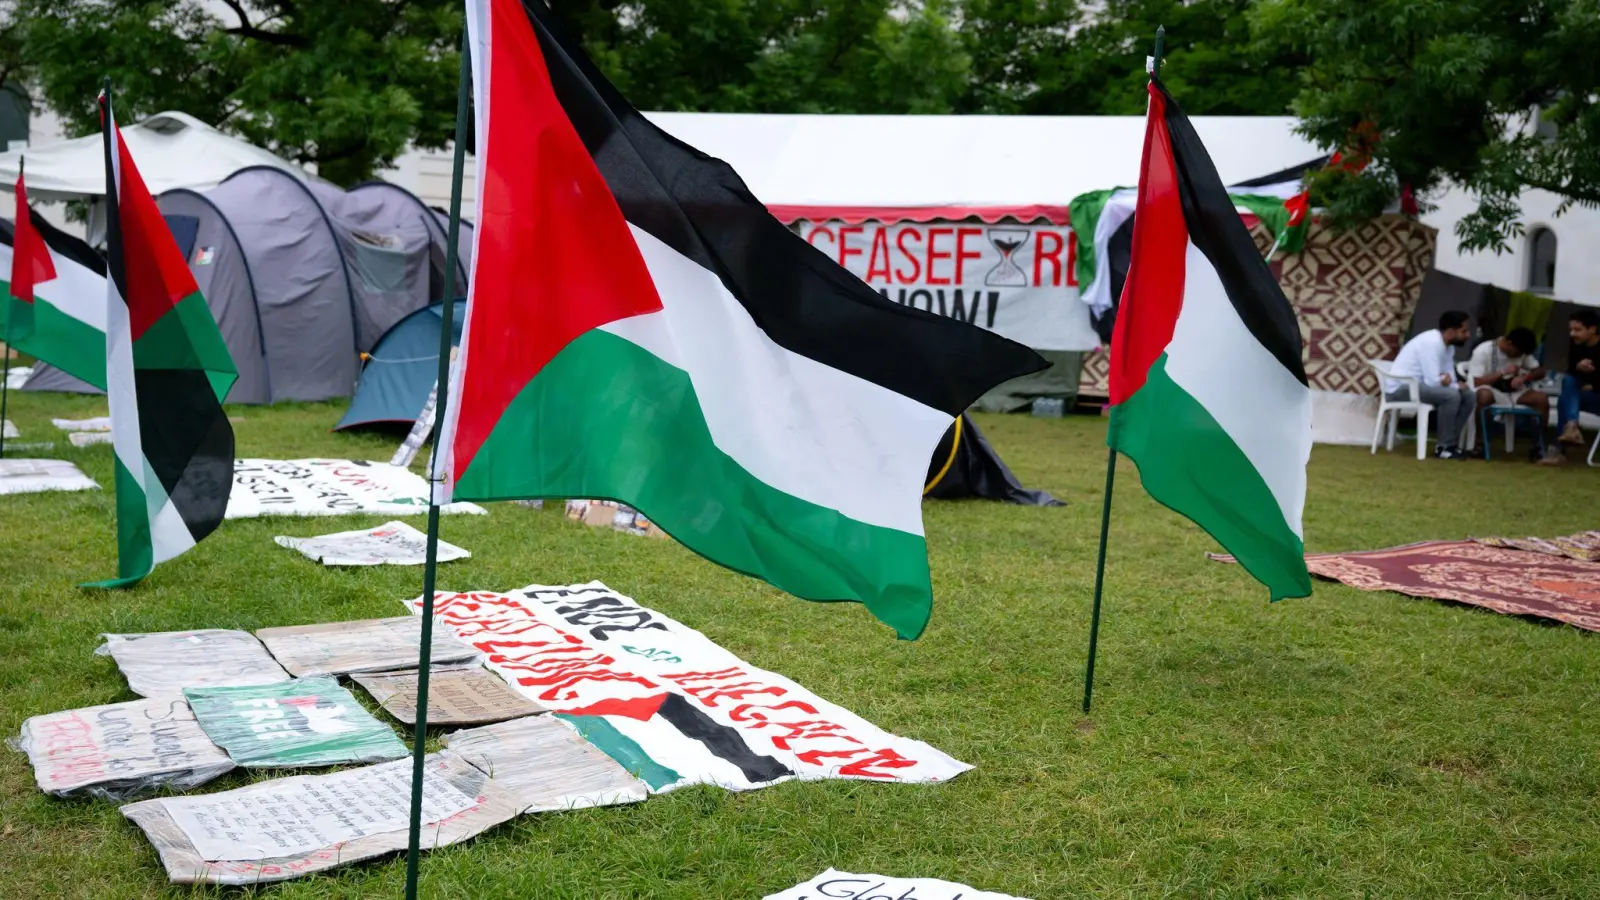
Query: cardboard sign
(1015, 280)
(329, 487)
(367, 645)
(304, 722)
(666, 702)
(392, 543)
(31, 476)
(456, 696)
(164, 663)
(89, 438)
(120, 750)
(836, 885)
(98, 423)
(543, 762)
(611, 514)
(287, 817)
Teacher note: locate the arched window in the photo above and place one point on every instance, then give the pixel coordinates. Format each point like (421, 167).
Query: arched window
(1542, 261)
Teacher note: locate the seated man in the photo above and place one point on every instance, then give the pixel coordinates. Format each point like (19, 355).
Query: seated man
(1501, 370)
(1430, 357)
(1580, 387)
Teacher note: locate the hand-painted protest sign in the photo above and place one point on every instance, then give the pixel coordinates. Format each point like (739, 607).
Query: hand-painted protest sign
(30, 476)
(407, 451)
(1014, 280)
(543, 762)
(366, 645)
(666, 702)
(164, 663)
(329, 487)
(456, 696)
(304, 722)
(836, 885)
(120, 750)
(392, 543)
(288, 827)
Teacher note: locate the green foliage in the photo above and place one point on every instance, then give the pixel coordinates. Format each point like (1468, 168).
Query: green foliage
(1449, 87)
(342, 84)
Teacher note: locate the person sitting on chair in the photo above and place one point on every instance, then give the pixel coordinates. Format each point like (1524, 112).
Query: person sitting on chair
(1580, 387)
(1501, 371)
(1430, 358)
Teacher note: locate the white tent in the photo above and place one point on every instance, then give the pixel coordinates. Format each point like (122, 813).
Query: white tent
(172, 150)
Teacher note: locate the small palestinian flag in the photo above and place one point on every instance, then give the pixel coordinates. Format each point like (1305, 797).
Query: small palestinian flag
(640, 329)
(1208, 393)
(53, 308)
(168, 370)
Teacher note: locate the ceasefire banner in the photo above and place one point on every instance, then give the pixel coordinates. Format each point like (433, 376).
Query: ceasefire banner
(1018, 281)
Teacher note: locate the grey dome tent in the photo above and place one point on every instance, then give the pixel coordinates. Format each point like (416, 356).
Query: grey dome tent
(302, 277)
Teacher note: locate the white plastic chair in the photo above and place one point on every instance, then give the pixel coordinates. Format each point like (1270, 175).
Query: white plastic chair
(1392, 410)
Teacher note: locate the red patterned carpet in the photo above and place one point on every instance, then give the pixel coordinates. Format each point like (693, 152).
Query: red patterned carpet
(1547, 583)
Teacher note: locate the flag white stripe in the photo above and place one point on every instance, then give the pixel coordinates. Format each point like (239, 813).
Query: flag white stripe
(76, 290)
(1263, 408)
(807, 429)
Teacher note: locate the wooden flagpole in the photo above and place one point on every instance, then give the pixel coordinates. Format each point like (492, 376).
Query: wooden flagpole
(419, 735)
(1111, 474)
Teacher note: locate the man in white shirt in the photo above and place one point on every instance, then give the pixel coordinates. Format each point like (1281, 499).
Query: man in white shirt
(1430, 357)
(1502, 370)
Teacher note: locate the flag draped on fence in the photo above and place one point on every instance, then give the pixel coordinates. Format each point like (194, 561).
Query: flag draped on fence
(1208, 392)
(168, 370)
(53, 307)
(641, 329)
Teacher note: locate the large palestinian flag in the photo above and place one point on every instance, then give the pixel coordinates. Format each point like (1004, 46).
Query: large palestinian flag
(641, 329)
(60, 319)
(168, 370)
(1208, 391)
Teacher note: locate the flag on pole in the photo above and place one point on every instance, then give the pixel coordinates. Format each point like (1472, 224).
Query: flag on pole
(53, 306)
(168, 371)
(1209, 396)
(641, 329)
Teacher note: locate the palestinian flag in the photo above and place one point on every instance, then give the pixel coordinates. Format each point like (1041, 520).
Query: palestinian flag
(168, 371)
(1209, 397)
(53, 307)
(640, 329)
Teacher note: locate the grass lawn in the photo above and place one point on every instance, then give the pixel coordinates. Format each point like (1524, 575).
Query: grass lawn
(1347, 745)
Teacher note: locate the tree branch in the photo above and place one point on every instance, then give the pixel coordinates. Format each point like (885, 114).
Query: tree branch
(246, 29)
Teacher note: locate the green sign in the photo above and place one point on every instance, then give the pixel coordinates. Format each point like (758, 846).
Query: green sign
(305, 722)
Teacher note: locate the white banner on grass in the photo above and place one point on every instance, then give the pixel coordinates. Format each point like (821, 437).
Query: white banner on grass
(420, 430)
(836, 885)
(329, 487)
(1018, 281)
(98, 423)
(30, 476)
(392, 543)
(689, 705)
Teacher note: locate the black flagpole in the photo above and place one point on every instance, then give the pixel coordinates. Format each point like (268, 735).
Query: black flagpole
(419, 735)
(1111, 475)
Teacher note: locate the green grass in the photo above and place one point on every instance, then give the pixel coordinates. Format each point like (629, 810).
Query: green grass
(1346, 745)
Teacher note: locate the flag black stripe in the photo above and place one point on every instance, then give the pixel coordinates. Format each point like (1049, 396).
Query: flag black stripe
(801, 299)
(60, 243)
(1215, 228)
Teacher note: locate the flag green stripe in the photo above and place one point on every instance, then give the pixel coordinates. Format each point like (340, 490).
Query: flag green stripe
(50, 335)
(623, 750)
(606, 419)
(187, 338)
(1270, 210)
(1083, 213)
(135, 553)
(1189, 463)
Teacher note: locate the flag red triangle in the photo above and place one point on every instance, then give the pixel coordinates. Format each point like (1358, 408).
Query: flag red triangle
(30, 256)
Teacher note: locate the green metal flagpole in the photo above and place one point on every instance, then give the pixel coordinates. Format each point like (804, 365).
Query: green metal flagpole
(5, 380)
(419, 737)
(1111, 475)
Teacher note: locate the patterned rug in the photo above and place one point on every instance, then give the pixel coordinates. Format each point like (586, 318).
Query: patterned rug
(1583, 546)
(1517, 582)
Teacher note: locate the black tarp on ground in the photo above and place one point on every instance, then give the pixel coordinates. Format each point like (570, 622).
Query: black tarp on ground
(964, 465)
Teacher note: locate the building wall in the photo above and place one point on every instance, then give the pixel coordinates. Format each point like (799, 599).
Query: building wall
(1577, 246)
(426, 173)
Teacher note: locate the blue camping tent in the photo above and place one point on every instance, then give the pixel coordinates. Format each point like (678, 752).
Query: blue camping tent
(401, 369)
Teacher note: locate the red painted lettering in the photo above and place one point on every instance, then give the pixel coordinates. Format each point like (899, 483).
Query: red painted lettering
(910, 256)
(812, 237)
(881, 759)
(880, 250)
(934, 255)
(745, 712)
(1041, 255)
(845, 250)
(962, 253)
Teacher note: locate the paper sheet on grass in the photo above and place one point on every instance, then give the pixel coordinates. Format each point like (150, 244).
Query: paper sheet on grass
(329, 487)
(305, 722)
(383, 794)
(457, 695)
(98, 423)
(32, 476)
(162, 664)
(667, 703)
(836, 885)
(392, 543)
(120, 750)
(88, 438)
(364, 645)
(546, 765)
(18, 376)
(9, 430)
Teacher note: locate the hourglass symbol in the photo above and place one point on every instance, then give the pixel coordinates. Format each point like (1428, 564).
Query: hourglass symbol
(1006, 273)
